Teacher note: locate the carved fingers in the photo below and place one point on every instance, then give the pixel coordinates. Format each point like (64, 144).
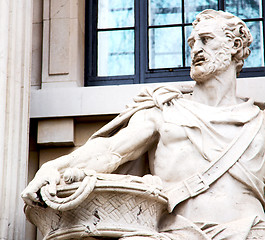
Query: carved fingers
(49, 177)
(52, 183)
(73, 175)
(29, 195)
(87, 183)
(76, 174)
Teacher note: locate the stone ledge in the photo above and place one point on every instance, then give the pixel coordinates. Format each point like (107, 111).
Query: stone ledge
(89, 101)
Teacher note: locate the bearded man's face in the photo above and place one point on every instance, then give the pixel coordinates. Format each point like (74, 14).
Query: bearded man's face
(210, 51)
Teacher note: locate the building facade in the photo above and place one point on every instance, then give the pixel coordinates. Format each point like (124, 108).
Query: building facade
(64, 78)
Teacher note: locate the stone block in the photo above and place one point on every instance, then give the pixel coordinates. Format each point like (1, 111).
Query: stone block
(60, 9)
(56, 132)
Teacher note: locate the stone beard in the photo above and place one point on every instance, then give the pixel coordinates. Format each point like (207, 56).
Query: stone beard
(212, 63)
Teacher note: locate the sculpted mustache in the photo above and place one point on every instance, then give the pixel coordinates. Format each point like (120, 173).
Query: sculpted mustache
(200, 56)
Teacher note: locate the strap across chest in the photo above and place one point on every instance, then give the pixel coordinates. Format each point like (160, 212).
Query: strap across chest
(200, 182)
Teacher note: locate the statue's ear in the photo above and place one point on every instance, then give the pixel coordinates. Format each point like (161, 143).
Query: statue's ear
(238, 44)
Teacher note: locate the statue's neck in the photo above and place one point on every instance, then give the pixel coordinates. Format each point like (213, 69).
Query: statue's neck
(217, 91)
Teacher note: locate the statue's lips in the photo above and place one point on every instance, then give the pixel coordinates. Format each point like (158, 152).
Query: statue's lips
(198, 60)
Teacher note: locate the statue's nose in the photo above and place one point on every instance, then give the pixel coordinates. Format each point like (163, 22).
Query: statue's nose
(197, 48)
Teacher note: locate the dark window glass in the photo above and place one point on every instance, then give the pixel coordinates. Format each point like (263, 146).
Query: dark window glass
(116, 53)
(256, 58)
(165, 51)
(164, 12)
(188, 30)
(115, 38)
(115, 13)
(194, 7)
(244, 9)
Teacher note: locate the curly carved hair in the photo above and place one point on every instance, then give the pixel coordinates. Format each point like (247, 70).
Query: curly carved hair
(233, 27)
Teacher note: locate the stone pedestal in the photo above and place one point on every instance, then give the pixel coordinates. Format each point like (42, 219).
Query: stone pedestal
(15, 62)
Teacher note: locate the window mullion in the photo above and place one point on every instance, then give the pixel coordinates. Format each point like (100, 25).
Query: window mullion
(263, 26)
(183, 35)
(221, 5)
(143, 38)
(137, 41)
(94, 37)
(91, 39)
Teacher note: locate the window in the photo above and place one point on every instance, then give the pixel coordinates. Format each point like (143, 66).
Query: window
(144, 41)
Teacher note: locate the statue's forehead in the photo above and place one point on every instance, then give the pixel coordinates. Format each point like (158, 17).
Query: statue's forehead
(211, 26)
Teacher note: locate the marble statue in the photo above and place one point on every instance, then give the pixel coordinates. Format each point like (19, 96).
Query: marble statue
(207, 147)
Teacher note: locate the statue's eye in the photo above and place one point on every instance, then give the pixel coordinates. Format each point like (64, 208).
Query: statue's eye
(205, 39)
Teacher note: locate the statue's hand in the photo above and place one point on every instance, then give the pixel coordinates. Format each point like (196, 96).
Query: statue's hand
(73, 175)
(45, 176)
(87, 179)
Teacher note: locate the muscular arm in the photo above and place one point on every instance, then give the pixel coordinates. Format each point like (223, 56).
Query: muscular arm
(103, 155)
(106, 154)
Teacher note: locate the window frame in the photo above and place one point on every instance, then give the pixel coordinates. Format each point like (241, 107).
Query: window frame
(142, 73)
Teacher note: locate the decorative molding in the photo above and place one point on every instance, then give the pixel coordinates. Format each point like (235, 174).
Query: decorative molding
(59, 48)
(63, 43)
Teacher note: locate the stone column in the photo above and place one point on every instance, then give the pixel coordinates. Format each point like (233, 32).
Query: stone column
(15, 62)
